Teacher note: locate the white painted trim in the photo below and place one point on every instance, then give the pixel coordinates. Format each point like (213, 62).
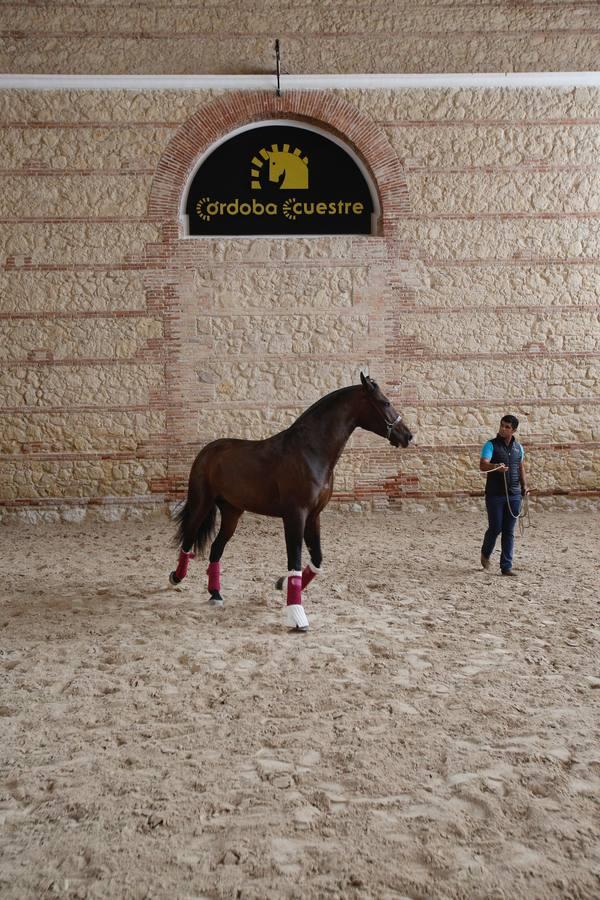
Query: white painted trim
(297, 82)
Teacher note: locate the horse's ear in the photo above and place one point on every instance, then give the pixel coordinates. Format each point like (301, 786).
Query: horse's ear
(367, 382)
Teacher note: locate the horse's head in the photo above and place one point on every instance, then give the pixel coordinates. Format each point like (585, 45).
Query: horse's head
(382, 418)
(287, 169)
(276, 167)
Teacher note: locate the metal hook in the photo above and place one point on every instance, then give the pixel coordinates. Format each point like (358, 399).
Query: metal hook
(278, 67)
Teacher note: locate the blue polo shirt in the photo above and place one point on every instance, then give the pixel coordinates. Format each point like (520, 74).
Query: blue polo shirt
(488, 449)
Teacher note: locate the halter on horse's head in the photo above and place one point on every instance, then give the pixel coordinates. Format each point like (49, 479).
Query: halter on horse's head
(385, 421)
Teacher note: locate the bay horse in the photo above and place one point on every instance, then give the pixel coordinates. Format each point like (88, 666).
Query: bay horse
(288, 475)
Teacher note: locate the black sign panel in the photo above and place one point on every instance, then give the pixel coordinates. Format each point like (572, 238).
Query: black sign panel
(279, 179)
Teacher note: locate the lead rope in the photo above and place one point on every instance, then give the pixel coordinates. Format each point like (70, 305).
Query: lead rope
(524, 512)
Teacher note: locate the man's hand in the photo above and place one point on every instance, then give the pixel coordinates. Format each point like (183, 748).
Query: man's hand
(486, 466)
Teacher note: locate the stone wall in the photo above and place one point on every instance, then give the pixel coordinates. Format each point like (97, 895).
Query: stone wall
(125, 346)
(344, 36)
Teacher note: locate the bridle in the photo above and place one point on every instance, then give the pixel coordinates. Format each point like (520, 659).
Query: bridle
(389, 426)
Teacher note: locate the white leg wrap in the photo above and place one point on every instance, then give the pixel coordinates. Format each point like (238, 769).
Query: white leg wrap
(295, 616)
(314, 569)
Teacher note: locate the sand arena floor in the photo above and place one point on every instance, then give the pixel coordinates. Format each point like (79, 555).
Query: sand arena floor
(434, 735)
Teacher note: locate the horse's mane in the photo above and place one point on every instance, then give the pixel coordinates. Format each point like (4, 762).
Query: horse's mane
(324, 403)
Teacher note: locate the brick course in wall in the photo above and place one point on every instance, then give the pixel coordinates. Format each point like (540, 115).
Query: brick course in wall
(126, 346)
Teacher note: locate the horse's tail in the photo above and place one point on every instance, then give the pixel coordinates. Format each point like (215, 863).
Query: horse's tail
(195, 525)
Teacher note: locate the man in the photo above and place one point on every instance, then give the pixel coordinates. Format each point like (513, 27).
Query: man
(502, 458)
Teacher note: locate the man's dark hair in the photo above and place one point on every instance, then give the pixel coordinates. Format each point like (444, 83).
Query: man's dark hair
(512, 421)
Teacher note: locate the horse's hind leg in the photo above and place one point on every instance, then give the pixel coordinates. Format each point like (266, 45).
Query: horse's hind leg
(230, 517)
(196, 521)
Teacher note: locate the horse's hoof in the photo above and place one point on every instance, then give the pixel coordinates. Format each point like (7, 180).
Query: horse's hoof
(216, 600)
(298, 630)
(173, 579)
(279, 583)
(296, 617)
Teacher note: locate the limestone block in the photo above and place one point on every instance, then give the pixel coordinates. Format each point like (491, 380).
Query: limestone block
(103, 108)
(511, 105)
(35, 292)
(542, 285)
(324, 248)
(74, 195)
(379, 464)
(574, 505)
(68, 431)
(443, 425)
(492, 331)
(278, 250)
(83, 54)
(520, 240)
(368, 467)
(169, 107)
(70, 338)
(75, 243)
(93, 148)
(250, 335)
(304, 53)
(277, 288)
(528, 379)
(527, 144)
(73, 386)
(497, 192)
(65, 19)
(253, 424)
(77, 478)
(257, 423)
(578, 422)
(303, 381)
(328, 17)
(456, 470)
(547, 468)
(136, 508)
(433, 425)
(564, 469)
(451, 19)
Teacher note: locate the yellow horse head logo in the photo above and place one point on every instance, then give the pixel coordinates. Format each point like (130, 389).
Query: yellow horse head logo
(287, 169)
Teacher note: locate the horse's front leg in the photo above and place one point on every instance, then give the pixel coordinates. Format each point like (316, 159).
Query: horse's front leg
(312, 539)
(293, 526)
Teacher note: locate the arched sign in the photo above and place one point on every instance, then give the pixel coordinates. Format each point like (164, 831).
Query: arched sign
(279, 179)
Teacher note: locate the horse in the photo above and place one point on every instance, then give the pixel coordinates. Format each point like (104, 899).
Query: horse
(288, 475)
(288, 170)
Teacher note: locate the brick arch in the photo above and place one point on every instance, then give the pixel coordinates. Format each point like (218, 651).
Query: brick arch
(219, 117)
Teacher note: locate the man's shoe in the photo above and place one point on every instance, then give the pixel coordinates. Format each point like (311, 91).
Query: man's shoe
(509, 572)
(485, 561)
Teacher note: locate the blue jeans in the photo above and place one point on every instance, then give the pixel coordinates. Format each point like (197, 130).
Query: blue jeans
(500, 521)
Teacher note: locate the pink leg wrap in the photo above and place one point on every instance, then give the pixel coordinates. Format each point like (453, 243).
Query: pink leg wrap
(214, 576)
(294, 588)
(182, 565)
(307, 576)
